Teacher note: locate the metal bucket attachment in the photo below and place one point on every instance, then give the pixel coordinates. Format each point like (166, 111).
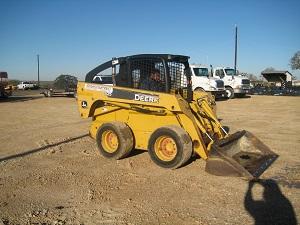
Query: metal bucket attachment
(240, 154)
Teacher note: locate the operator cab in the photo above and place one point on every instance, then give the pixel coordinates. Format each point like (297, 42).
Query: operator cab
(136, 70)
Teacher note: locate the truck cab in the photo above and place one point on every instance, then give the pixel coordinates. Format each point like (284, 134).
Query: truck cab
(202, 81)
(235, 84)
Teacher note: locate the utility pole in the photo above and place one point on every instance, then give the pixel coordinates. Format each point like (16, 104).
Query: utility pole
(38, 69)
(235, 50)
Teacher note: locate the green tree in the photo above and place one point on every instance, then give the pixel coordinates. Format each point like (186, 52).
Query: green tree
(65, 81)
(295, 61)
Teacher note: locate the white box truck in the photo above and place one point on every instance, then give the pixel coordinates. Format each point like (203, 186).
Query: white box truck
(201, 80)
(235, 84)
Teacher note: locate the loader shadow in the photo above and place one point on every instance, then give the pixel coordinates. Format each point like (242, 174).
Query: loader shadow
(243, 97)
(191, 160)
(136, 152)
(19, 98)
(32, 151)
(221, 99)
(274, 208)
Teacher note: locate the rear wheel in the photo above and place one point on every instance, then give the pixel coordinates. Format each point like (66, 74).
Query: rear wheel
(114, 140)
(170, 147)
(229, 92)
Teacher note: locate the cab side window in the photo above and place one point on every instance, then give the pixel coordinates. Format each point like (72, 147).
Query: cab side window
(147, 74)
(105, 76)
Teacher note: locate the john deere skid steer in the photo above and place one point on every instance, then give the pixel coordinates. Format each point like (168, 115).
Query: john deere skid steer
(149, 104)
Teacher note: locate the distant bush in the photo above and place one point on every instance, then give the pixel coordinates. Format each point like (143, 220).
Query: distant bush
(65, 82)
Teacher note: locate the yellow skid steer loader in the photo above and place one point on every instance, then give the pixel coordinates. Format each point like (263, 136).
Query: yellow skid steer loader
(146, 102)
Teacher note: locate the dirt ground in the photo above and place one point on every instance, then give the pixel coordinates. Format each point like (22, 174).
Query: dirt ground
(52, 173)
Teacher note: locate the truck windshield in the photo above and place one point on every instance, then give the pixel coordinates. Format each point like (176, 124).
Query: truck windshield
(201, 72)
(230, 72)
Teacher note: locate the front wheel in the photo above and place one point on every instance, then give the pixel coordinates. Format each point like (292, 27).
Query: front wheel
(229, 92)
(114, 140)
(170, 147)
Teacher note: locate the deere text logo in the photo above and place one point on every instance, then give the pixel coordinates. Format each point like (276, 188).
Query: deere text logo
(146, 98)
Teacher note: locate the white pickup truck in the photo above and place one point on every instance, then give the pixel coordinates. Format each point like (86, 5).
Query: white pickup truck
(202, 81)
(26, 85)
(235, 85)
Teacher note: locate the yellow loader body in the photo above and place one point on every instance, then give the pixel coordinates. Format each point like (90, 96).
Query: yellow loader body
(142, 117)
(171, 123)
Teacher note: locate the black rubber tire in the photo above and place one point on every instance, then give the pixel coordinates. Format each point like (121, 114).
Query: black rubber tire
(183, 144)
(229, 95)
(125, 139)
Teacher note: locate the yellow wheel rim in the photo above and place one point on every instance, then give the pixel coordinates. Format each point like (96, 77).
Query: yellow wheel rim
(165, 148)
(109, 141)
